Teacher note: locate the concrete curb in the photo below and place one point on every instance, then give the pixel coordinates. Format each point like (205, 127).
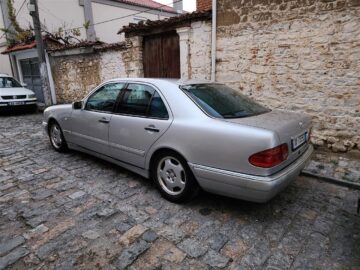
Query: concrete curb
(332, 180)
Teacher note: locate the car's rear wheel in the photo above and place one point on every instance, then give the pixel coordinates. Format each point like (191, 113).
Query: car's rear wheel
(174, 178)
(56, 136)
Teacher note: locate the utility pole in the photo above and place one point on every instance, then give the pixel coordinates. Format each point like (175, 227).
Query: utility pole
(89, 19)
(8, 25)
(34, 12)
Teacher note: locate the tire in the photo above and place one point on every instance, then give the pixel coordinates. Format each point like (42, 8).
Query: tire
(56, 137)
(173, 177)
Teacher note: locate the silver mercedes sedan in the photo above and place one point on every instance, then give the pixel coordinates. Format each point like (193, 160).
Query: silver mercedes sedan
(186, 136)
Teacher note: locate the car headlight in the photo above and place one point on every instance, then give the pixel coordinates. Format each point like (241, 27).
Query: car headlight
(31, 96)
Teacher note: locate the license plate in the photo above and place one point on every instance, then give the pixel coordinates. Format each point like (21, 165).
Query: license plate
(298, 141)
(17, 103)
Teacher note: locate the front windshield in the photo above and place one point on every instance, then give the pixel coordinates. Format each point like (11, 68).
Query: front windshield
(220, 101)
(8, 82)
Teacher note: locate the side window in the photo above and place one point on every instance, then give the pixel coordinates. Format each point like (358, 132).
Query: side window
(135, 99)
(157, 107)
(105, 98)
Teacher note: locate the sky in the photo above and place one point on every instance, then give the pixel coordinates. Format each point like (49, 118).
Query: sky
(188, 5)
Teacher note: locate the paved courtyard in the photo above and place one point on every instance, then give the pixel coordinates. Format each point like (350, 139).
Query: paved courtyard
(65, 211)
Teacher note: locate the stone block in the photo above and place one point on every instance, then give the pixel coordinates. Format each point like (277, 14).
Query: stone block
(131, 235)
(8, 245)
(129, 255)
(77, 195)
(215, 259)
(12, 257)
(193, 248)
(91, 234)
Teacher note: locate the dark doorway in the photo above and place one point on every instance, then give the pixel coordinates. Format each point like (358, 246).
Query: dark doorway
(161, 56)
(31, 76)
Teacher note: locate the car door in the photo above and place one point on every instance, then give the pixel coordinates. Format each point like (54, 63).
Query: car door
(140, 118)
(90, 125)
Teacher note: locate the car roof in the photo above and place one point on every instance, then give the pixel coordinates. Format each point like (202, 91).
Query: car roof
(4, 75)
(158, 80)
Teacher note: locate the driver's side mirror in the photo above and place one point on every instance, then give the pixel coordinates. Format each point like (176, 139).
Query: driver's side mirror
(77, 105)
(23, 84)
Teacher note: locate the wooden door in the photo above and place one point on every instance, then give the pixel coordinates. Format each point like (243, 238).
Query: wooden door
(161, 56)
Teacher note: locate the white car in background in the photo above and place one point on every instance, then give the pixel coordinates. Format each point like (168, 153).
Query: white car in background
(13, 95)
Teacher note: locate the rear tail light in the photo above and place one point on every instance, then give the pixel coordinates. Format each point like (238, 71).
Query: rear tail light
(271, 157)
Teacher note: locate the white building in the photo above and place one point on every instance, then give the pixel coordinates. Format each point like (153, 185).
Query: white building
(105, 18)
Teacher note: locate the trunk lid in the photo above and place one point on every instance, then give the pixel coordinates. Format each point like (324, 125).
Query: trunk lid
(287, 125)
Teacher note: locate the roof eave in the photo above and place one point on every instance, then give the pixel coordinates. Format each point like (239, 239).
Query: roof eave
(174, 22)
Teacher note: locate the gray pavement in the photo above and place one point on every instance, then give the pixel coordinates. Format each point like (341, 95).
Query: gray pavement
(73, 211)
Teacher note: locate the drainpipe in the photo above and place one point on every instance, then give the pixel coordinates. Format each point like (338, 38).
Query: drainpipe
(51, 80)
(213, 41)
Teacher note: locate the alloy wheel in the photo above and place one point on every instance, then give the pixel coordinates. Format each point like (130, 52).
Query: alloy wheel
(55, 136)
(171, 175)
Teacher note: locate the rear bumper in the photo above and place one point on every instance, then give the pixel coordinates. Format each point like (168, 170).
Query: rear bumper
(249, 187)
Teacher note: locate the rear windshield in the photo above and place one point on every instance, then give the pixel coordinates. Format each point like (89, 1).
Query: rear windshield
(7, 82)
(221, 101)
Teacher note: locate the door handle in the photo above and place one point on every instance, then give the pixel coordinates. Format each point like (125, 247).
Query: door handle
(104, 120)
(152, 129)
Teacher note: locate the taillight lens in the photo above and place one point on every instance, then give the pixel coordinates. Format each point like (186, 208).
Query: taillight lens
(271, 157)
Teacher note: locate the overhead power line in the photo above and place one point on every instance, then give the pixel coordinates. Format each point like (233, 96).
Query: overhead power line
(47, 11)
(126, 16)
(106, 21)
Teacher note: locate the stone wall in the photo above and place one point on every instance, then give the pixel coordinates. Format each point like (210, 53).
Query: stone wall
(132, 57)
(75, 75)
(298, 55)
(200, 50)
(77, 71)
(124, 63)
(195, 50)
(111, 65)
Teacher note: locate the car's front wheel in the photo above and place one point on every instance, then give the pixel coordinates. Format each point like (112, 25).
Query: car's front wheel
(56, 136)
(174, 178)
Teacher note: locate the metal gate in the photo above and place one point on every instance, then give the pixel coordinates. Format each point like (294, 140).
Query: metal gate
(161, 55)
(31, 76)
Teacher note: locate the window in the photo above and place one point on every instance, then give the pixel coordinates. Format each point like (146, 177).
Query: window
(135, 99)
(221, 101)
(157, 107)
(142, 100)
(105, 98)
(8, 82)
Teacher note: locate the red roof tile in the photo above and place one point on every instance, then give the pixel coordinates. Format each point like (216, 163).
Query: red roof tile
(30, 44)
(148, 4)
(96, 45)
(20, 47)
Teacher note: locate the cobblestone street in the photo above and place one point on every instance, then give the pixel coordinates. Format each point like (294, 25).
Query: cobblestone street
(65, 211)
